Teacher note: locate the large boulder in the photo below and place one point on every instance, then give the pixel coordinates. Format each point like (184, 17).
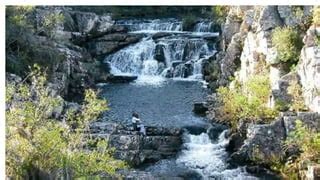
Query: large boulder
(136, 149)
(159, 53)
(263, 143)
(107, 44)
(88, 22)
(200, 108)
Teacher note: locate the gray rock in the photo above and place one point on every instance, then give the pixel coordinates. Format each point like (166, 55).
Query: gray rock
(263, 143)
(308, 70)
(159, 143)
(12, 78)
(92, 23)
(160, 35)
(159, 53)
(200, 108)
(216, 130)
(294, 15)
(269, 18)
(231, 60)
(110, 43)
(309, 119)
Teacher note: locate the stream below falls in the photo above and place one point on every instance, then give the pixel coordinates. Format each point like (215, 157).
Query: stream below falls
(169, 71)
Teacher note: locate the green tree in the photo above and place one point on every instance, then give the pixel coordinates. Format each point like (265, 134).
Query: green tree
(35, 140)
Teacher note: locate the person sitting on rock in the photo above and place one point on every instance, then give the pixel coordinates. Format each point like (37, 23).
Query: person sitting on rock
(142, 129)
(135, 121)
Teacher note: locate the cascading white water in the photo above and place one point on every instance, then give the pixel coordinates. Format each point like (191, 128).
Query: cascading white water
(150, 67)
(197, 69)
(179, 55)
(152, 25)
(203, 26)
(130, 60)
(208, 158)
(138, 59)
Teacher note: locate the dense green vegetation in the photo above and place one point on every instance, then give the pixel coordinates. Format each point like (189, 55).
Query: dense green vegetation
(36, 141)
(246, 102)
(23, 49)
(220, 13)
(288, 44)
(308, 142)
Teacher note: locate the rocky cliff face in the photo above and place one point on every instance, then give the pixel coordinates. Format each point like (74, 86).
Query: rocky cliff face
(72, 47)
(248, 52)
(308, 69)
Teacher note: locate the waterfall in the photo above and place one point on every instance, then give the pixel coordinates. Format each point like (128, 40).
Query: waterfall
(130, 60)
(152, 25)
(178, 55)
(208, 158)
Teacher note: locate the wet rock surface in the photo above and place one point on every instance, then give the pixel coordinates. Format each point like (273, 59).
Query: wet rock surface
(121, 78)
(262, 143)
(200, 108)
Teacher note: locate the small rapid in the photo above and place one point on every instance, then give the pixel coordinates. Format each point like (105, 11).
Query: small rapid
(200, 158)
(209, 158)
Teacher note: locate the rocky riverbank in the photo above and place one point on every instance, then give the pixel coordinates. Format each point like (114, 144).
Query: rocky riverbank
(247, 45)
(135, 148)
(73, 49)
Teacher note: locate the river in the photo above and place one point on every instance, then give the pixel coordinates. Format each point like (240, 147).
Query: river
(169, 71)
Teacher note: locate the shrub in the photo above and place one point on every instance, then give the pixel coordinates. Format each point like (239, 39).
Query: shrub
(281, 105)
(247, 102)
(220, 13)
(35, 140)
(288, 44)
(308, 142)
(316, 15)
(297, 103)
(51, 21)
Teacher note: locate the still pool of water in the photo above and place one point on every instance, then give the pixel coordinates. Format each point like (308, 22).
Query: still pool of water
(168, 103)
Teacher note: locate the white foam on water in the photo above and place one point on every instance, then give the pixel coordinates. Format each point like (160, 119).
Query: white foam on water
(147, 80)
(208, 158)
